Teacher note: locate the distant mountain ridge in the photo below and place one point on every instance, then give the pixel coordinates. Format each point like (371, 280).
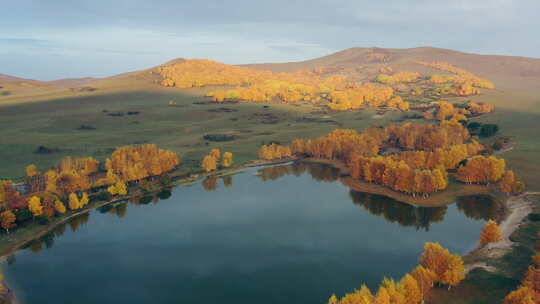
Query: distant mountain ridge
(358, 63)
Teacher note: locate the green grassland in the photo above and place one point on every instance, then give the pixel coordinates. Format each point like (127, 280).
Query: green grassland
(53, 119)
(180, 127)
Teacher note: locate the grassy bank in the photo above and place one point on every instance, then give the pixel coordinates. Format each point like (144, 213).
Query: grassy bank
(499, 274)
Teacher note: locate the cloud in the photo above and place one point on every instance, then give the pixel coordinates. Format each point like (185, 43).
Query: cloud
(238, 31)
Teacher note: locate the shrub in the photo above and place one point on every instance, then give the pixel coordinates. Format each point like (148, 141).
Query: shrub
(42, 219)
(534, 217)
(103, 195)
(488, 130)
(165, 194)
(22, 215)
(473, 126)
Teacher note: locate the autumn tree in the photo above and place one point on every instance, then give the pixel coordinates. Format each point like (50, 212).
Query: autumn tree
(121, 188)
(523, 295)
(455, 271)
(490, 233)
(133, 163)
(448, 268)
(209, 163)
(34, 205)
(333, 299)
(412, 291)
(274, 151)
(74, 203)
(216, 153)
(7, 220)
(59, 207)
(425, 278)
(31, 170)
(510, 184)
(227, 159)
(532, 279)
(84, 199)
(481, 169)
(8, 193)
(382, 296)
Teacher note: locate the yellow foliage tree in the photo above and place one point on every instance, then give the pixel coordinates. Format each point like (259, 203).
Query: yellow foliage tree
(448, 268)
(523, 295)
(411, 289)
(121, 188)
(7, 220)
(34, 205)
(455, 271)
(216, 153)
(31, 170)
(209, 163)
(481, 169)
(74, 203)
(112, 190)
(510, 184)
(490, 233)
(227, 159)
(59, 207)
(84, 199)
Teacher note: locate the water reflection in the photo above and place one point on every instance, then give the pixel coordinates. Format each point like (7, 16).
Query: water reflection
(396, 212)
(262, 231)
(118, 209)
(318, 172)
(477, 207)
(227, 181)
(210, 183)
(481, 207)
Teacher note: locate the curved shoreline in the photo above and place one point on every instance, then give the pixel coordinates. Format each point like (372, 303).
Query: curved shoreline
(518, 208)
(187, 179)
(437, 199)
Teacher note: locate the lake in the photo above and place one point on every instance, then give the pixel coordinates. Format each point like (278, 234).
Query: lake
(282, 234)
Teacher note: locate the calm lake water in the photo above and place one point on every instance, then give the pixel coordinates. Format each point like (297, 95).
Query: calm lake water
(285, 234)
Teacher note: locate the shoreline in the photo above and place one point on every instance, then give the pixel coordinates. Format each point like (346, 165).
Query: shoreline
(177, 180)
(437, 199)
(7, 295)
(518, 207)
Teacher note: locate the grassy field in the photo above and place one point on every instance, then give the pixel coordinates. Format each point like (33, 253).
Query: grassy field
(56, 124)
(53, 119)
(483, 287)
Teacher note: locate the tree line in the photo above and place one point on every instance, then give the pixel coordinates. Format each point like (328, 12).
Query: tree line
(437, 266)
(466, 82)
(410, 158)
(67, 185)
(264, 86)
(529, 290)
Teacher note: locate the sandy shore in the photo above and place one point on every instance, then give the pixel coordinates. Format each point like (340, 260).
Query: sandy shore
(518, 208)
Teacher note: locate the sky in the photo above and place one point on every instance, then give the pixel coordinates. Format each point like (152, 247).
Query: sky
(54, 39)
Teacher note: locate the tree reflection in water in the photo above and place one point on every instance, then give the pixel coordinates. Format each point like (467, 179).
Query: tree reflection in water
(481, 207)
(320, 173)
(397, 212)
(478, 207)
(119, 209)
(210, 183)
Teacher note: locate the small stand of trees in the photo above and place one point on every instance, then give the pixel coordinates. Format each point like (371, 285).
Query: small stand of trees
(438, 266)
